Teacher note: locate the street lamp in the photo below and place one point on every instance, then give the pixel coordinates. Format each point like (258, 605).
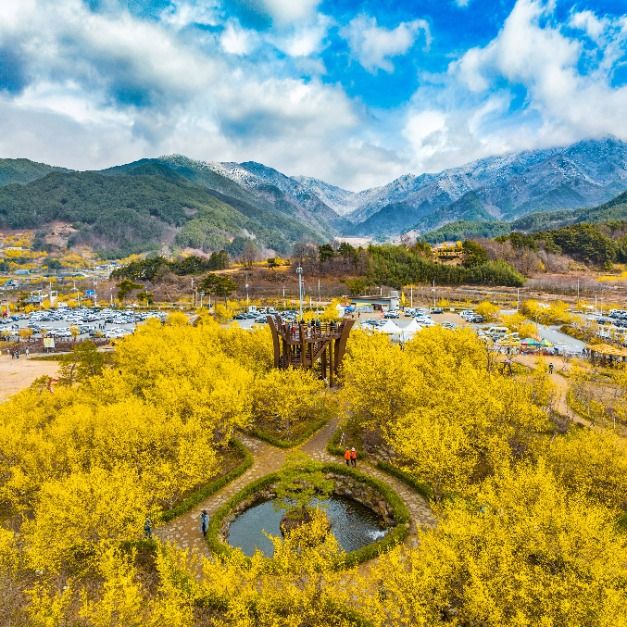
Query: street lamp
(246, 286)
(299, 272)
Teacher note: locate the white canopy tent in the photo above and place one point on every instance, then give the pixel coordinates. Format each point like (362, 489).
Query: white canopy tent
(389, 328)
(408, 331)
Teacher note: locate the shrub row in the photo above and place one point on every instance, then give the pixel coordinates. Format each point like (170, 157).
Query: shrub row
(422, 488)
(206, 490)
(280, 443)
(334, 448)
(395, 535)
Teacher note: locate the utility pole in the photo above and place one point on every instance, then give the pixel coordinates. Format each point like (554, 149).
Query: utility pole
(518, 305)
(318, 292)
(577, 289)
(193, 295)
(202, 294)
(299, 271)
(433, 290)
(246, 286)
(411, 296)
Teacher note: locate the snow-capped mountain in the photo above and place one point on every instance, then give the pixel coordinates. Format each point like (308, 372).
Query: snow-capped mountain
(340, 200)
(249, 199)
(581, 175)
(279, 189)
(584, 174)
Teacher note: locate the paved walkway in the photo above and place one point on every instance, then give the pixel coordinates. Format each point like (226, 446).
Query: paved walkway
(184, 531)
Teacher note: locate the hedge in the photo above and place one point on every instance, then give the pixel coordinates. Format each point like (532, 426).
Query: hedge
(206, 490)
(397, 534)
(278, 442)
(334, 448)
(422, 488)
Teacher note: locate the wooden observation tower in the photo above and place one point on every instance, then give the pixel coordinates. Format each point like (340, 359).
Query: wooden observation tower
(302, 345)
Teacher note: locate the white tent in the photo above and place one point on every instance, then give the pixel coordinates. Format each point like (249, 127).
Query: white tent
(408, 331)
(389, 328)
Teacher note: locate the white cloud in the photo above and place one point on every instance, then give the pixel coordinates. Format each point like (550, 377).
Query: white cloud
(302, 40)
(106, 88)
(289, 11)
(85, 71)
(462, 3)
(426, 131)
(588, 22)
(526, 89)
(373, 46)
(182, 13)
(237, 40)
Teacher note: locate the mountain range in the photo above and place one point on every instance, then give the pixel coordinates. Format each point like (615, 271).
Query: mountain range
(174, 201)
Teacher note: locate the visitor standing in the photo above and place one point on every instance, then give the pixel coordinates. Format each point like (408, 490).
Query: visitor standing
(551, 368)
(204, 522)
(148, 528)
(347, 456)
(27, 352)
(353, 457)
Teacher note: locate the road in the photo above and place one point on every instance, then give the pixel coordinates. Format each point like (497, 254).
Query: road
(556, 337)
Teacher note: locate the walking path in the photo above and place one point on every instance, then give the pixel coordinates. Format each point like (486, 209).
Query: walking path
(184, 531)
(561, 384)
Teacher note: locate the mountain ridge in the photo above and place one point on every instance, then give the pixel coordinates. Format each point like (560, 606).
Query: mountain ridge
(493, 189)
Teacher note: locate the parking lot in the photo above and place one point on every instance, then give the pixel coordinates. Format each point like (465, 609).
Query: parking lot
(402, 325)
(68, 324)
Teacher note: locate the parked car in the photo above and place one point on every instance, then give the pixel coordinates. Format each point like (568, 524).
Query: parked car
(391, 314)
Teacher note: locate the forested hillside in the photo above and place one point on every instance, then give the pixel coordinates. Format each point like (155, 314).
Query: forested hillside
(133, 213)
(614, 210)
(23, 171)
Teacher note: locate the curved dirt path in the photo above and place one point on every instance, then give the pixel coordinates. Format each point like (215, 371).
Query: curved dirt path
(184, 531)
(562, 385)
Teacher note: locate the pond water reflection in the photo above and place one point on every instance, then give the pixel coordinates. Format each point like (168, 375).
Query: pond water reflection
(352, 524)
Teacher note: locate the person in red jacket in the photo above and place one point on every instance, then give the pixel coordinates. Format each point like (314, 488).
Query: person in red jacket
(347, 457)
(353, 457)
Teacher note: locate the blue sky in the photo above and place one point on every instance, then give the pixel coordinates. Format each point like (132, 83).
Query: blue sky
(356, 93)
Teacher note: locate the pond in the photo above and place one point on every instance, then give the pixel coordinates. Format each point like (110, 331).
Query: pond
(353, 525)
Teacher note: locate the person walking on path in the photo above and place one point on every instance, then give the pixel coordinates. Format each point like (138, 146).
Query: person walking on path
(148, 528)
(27, 352)
(551, 368)
(353, 457)
(204, 522)
(347, 456)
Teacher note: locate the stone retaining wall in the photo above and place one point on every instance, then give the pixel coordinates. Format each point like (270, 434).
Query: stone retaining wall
(344, 486)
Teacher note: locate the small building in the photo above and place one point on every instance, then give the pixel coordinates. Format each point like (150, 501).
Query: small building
(375, 303)
(607, 354)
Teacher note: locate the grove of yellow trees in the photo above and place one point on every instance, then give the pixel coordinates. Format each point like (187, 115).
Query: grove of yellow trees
(528, 529)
